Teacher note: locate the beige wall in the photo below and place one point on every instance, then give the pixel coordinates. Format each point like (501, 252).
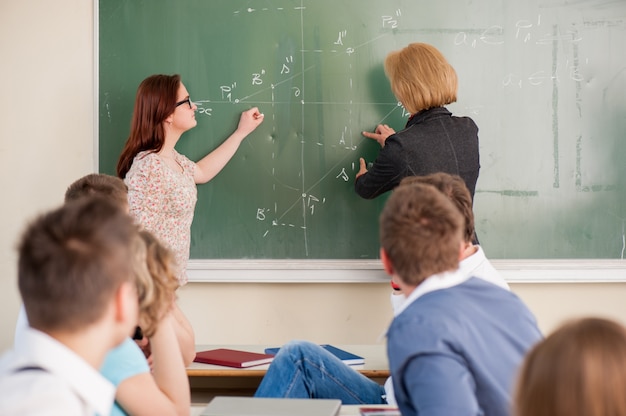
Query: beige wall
(46, 120)
(46, 141)
(355, 313)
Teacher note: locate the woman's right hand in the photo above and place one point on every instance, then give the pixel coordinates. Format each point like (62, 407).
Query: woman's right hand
(380, 134)
(249, 121)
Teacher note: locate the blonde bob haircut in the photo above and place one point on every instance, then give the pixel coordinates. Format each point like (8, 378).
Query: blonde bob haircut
(578, 370)
(421, 77)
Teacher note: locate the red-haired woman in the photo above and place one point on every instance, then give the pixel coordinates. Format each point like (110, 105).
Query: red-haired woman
(161, 182)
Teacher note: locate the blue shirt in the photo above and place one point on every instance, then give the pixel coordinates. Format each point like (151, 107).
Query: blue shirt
(455, 348)
(124, 361)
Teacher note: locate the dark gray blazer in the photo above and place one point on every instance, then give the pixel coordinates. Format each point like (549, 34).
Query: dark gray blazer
(433, 141)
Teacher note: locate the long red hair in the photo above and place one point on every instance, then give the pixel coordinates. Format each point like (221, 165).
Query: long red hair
(154, 102)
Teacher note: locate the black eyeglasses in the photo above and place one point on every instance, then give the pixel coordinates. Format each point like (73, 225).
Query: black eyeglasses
(188, 101)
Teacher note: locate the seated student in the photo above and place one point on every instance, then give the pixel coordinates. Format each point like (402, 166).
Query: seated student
(578, 370)
(126, 365)
(115, 189)
(457, 341)
(473, 260)
(303, 369)
(94, 184)
(76, 278)
(166, 390)
(99, 184)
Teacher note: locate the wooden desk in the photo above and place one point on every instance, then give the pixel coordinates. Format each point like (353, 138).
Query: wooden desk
(375, 366)
(207, 381)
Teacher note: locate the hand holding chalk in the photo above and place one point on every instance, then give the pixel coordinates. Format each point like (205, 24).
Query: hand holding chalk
(249, 121)
(380, 134)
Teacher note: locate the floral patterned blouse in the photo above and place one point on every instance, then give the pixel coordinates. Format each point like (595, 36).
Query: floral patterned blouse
(163, 202)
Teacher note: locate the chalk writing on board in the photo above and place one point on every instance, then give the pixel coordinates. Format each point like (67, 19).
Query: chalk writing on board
(525, 31)
(346, 139)
(543, 82)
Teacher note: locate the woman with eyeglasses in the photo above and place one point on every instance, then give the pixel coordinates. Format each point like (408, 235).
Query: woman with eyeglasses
(161, 182)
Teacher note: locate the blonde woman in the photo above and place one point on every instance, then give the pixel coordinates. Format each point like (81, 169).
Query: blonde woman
(433, 140)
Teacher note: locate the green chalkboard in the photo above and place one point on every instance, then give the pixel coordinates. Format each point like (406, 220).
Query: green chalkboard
(544, 81)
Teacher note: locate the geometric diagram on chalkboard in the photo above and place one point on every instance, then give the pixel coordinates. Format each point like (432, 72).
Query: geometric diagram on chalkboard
(544, 85)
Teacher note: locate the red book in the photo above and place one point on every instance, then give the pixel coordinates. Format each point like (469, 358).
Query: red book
(232, 358)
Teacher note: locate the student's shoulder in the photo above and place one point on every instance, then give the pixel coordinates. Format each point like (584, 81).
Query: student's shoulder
(449, 306)
(126, 360)
(422, 326)
(127, 350)
(431, 311)
(35, 391)
(483, 291)
(495, 300)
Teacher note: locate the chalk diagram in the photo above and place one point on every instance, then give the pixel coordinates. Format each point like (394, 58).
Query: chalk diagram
(266, 88)
(557, 69)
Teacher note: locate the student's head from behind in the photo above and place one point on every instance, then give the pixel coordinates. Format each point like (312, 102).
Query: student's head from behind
(421, 77)
(100, 184)
(454, 188)
(578, 370)
(157, 287)
(155, 101)
(75, 267)
(421, 233)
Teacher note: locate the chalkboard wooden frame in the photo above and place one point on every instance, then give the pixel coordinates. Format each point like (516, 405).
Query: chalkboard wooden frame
(366, 271)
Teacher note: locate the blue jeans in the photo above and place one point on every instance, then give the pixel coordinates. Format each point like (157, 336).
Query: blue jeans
(302, 369)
